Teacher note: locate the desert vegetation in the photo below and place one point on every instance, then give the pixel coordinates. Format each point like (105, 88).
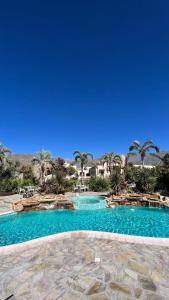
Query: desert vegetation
(53, 175)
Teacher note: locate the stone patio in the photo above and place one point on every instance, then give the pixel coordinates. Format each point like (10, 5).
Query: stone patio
(6, 202)
(84, 268)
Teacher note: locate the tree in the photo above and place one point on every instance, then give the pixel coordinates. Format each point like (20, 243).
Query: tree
(71, 170)
(43, 159)
(3, 152)
(27, 172)
(11, 170)
(163, 172)
(164, 159)
(56, 184)
(117, 181)
(136, 148)
(83, 158)
(111, 160)
(145, 180)
(97, 184)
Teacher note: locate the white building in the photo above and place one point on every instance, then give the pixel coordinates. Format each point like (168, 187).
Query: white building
(100, 169)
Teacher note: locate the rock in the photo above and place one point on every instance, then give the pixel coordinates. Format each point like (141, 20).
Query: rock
(89, 256)
(140, 268)
(148, 284)
(99, 297)
(97, 287)
(29, 202)
(156, 276)
(137, 292)
(18, 207)
(153, 297)
(120, 288)
(155, 196)
(70, 296)
(22, 290)
(131, 273)
(43, 202)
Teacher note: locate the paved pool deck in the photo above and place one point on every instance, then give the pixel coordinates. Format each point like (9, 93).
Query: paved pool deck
(6, 202)
(85, 265)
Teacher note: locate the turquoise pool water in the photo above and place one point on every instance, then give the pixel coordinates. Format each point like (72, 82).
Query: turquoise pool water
(153, 222)
(89, 202)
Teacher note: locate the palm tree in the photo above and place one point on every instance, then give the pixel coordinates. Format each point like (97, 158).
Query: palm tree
(111, 160)
(83, 158)
(43, 158)
(164, 159)
(142, 149)
(3, 152)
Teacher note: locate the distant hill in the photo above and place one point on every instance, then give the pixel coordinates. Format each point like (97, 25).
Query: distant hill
(149, 159)
(25, 159)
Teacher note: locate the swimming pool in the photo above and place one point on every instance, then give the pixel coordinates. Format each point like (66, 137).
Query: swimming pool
(89, 202)
(140, 221)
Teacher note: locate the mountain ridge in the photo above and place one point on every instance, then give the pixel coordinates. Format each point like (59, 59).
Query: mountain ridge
(25, 159)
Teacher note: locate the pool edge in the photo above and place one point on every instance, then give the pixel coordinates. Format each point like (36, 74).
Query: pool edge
(9, 212)
(163, 242)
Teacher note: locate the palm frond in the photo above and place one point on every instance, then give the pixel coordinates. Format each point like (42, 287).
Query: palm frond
(77, 157)
(136, 143)
(7, 150)
(133, 147)
(89, 155)
(146, 143)
(130, 154)
(76, 152)
(35, 160)
(117, 158)
(4, 149)
(156, 148)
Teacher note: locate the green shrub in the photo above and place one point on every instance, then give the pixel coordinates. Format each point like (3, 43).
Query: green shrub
(163, 180)
(25, 182)
(71, 170)
(98, 184)
(69, 184)
(144, 179)
(12, 185)
(53, 186)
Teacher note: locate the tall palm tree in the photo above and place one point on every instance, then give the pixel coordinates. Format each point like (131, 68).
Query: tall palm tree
(83, 158)
(43, 158)
(111, 160)
(136, 148)
(3, 153)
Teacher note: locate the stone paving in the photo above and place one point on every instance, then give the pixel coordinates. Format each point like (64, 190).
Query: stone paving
(85, 268)
(6, 202)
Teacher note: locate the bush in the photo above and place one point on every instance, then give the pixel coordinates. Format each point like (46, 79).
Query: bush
(146, 182)
(163, 181)
(98, 184)
(145, 179)
(53, 186)
(71, 170)
(69, 184)
(12, 185)
(25, 182)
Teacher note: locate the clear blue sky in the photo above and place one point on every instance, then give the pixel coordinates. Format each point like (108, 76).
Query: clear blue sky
(88, 75)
